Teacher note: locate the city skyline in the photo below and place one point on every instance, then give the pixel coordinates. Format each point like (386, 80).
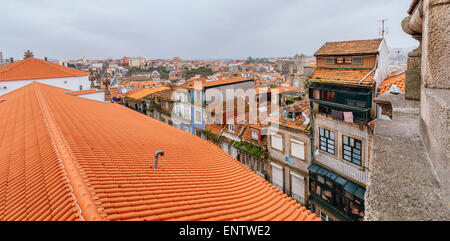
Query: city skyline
(192, 30)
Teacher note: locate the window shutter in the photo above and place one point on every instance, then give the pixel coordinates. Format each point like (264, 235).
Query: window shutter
(298, 187)
(298, 149)
(329, 60)
(277, 142)
(277, 176)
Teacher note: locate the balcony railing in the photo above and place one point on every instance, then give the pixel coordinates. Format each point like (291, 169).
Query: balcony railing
(359, 114)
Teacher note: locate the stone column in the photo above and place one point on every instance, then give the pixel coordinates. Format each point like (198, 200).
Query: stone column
(413, 73)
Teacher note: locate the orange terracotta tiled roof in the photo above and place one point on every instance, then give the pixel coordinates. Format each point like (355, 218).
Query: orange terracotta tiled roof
(299, 122)
(69, 158)
(284, 89)
(345, 76)
(84, 92)
(369, 46)
(205, 83)
(139, 94)
(33, 68)
(396, 78)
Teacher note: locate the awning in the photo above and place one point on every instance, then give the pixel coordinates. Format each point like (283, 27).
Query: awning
(314, 168)
(348, 186)
(360, 192)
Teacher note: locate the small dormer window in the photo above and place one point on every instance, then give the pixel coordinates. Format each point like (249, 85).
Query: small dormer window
(255, 135)
(290, 115)
(231, 127)
(357, 60)
(329, 60)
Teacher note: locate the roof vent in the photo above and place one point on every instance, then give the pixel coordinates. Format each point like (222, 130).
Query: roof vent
(157, 154)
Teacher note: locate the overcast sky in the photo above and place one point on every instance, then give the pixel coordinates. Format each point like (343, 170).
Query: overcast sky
(191, 29)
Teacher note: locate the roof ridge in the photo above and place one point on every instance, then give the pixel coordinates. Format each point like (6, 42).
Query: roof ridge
(13, 65)
(87, 205)
(56, 67)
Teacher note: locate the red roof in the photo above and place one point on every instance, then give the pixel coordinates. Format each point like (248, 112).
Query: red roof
(396, 78)
(369, 46)
(32, 68)
(68, 158)
(344, 76)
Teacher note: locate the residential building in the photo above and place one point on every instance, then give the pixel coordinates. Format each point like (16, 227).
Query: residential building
(141, 99)
(240, 131)
(198, 93)
(289, 146)
(341, 91)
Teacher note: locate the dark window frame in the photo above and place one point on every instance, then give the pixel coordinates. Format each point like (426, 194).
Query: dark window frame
(326, 139)
(352, 149)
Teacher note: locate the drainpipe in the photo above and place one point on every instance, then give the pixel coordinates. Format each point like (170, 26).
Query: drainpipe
(376, 65)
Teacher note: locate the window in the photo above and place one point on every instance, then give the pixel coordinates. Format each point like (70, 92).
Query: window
(348, 60)
(351, 150)
(324, 216)
(326, 141)
(81, 87)
(340, 60)
(329, 60)
(290, 115)
(356, 60)
(327, 95)
(199, 97)
(260, 167)
(255, 135)
(231, 127)
(277, 142)
(198, 116)
(298, 149)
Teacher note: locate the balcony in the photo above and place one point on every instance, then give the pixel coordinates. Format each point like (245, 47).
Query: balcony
(359, 114)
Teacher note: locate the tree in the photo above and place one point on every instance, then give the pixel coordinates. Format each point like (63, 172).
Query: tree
(28, 54)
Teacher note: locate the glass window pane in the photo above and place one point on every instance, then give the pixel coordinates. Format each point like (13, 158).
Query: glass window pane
(347, 158)
(345, 140)
(357, 157)
(331, 142)
(321, 131)
(358, 145)
(357, 152)
(352, 142)
(327, 134)
(357, 162)
(347, 148)
(331, 151)
(331, 135)
(331, 146)
(347, 153)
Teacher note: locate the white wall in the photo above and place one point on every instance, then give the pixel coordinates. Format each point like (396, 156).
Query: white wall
(73, 83)
(98, 96)
(383, 63)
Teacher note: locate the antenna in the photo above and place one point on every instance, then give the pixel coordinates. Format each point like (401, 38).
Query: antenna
(384, 30)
